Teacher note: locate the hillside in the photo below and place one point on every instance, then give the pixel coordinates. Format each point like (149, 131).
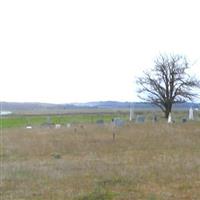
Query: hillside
(13, 106)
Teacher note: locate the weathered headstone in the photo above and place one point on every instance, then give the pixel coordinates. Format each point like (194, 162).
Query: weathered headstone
(117, 122)
(140, 119)
(184, 120)
(155, 118)
(48, 120)
(100, 122)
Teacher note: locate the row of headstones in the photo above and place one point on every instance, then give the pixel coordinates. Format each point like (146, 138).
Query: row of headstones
(141, 119)
(185, 119)
(120, 122)
(56, 126)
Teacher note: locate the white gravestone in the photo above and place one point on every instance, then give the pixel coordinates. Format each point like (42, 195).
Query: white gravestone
(131, 117)
(169, 118)
(68, 125)
(191, 114)
(57, 126)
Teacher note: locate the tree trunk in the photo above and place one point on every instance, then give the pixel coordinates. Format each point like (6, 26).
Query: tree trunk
(166, 114)
(168, 110)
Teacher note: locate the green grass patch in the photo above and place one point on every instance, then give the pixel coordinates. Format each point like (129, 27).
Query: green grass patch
(38, 120)
(98, 194)
(21, 121)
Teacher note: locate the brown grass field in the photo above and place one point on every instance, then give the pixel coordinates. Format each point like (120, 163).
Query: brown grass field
(145, 162)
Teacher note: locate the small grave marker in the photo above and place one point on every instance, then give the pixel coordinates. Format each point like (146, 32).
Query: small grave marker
(184, 120)
(100, 122)
(155, 118)
(117, 122)
(68, 125)
(48, 120)
(113, 136)
(57, 126)
(140, 119)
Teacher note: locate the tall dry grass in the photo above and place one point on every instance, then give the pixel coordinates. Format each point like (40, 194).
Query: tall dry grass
(146, 161)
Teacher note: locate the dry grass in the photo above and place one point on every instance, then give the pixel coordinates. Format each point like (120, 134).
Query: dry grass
(147, 162)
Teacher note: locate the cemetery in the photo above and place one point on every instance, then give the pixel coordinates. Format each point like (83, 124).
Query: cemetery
(107, 152)
(109, 159)
(119, 119)
(106, 155)
(100, 100)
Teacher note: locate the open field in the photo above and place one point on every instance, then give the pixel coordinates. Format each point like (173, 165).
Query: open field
(20, 121)
(146, 161)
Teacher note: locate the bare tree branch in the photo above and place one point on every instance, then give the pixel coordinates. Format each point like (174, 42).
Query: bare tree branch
(168, 83)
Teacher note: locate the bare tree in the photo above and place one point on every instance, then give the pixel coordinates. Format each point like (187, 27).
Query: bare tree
(168, 83)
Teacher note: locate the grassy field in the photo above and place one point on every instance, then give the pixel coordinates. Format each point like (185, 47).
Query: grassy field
(145, 161)
(39, 120)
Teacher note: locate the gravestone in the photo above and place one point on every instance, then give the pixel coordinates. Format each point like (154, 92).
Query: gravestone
(169, 118)
(48, 120)
(68, 125)
(191, 114)
(57, 126)
(100, 122)
(117, 122)
(184, 120)
(131, 115)
(155, 118)
(140, 119)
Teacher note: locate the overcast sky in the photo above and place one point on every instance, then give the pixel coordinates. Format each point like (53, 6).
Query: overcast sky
(78, 51)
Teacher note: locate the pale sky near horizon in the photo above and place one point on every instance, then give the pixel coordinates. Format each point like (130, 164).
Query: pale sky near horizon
(89, 50)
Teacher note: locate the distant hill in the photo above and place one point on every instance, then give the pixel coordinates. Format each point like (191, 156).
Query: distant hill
(13, 106)
(135, 105)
